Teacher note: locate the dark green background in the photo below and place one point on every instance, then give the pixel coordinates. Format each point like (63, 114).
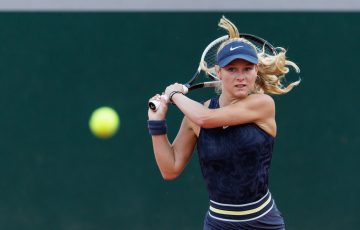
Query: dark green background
(56, 68)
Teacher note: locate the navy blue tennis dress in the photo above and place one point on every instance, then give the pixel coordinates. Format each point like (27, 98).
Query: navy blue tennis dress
(235, 163)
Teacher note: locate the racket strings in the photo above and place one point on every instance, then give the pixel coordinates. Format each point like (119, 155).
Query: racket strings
(209, 61)
(264, 49)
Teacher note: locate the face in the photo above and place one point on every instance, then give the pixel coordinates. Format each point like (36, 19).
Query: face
(238, 78)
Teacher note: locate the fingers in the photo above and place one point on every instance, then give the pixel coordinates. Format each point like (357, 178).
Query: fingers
(163, 97)
(175, 87)
(157, 107)
(158, 102)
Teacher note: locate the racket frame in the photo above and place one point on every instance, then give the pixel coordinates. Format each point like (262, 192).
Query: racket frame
(189, 86)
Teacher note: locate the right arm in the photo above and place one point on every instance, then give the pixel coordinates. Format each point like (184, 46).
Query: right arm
(172, 158)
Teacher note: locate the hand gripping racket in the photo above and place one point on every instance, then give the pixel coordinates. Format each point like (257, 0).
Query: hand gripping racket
(208, 62)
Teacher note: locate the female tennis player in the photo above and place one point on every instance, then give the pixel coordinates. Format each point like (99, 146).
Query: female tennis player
(234, 133)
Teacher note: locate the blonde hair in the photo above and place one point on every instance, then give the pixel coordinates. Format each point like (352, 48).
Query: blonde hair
(271, 68)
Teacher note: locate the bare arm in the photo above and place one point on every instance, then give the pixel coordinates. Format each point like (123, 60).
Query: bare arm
(255, 108)
(172, 158)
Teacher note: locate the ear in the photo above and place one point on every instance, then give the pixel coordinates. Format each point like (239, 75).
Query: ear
(256, 68)
(218, 72)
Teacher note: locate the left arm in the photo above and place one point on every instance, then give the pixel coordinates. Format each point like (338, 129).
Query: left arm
(254, 108)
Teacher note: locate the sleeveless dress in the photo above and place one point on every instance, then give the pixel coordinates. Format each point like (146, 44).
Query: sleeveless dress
(235, 163)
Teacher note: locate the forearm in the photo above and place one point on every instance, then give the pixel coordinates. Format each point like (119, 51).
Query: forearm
(195, 111)
(164, 155)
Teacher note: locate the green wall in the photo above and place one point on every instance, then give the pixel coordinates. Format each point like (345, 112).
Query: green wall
(56, 68)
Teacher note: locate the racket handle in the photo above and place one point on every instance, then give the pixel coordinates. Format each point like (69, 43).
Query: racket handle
(154, 104)
(185, 89)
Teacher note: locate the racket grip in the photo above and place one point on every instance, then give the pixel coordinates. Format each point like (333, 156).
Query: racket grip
(154, 104)
(185, 89)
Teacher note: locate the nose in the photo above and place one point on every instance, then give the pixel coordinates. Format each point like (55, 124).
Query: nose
(239, 77)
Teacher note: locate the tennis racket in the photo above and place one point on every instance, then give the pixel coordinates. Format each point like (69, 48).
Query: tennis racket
(208, 62)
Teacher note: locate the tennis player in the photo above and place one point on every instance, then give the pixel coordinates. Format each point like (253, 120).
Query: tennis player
(234, 133)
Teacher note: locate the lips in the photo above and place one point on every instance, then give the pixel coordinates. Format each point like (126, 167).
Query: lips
(240, 86)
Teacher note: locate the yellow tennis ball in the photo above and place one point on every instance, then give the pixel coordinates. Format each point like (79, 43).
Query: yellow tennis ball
(104, 122)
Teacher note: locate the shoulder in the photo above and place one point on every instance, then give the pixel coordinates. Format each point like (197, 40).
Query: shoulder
(261, 101)
(261, 97)
(262, 106)
(265, 107)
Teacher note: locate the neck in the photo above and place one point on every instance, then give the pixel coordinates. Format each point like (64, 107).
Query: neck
(225, 100)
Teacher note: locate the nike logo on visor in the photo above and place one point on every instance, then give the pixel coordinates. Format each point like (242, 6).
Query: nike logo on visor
(234, 48)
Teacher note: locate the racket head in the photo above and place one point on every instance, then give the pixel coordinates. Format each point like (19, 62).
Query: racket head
(261, 45)
(208, 62)
(209, 56)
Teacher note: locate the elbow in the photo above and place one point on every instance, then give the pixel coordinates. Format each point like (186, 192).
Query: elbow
(207, 125)
(169, 176)
(199, 121)
(203, 120)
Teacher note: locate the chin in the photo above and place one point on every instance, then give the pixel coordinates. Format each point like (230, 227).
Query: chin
(242, 93)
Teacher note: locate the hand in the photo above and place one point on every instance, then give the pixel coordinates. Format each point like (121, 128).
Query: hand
(174, 87)
(160, 113)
